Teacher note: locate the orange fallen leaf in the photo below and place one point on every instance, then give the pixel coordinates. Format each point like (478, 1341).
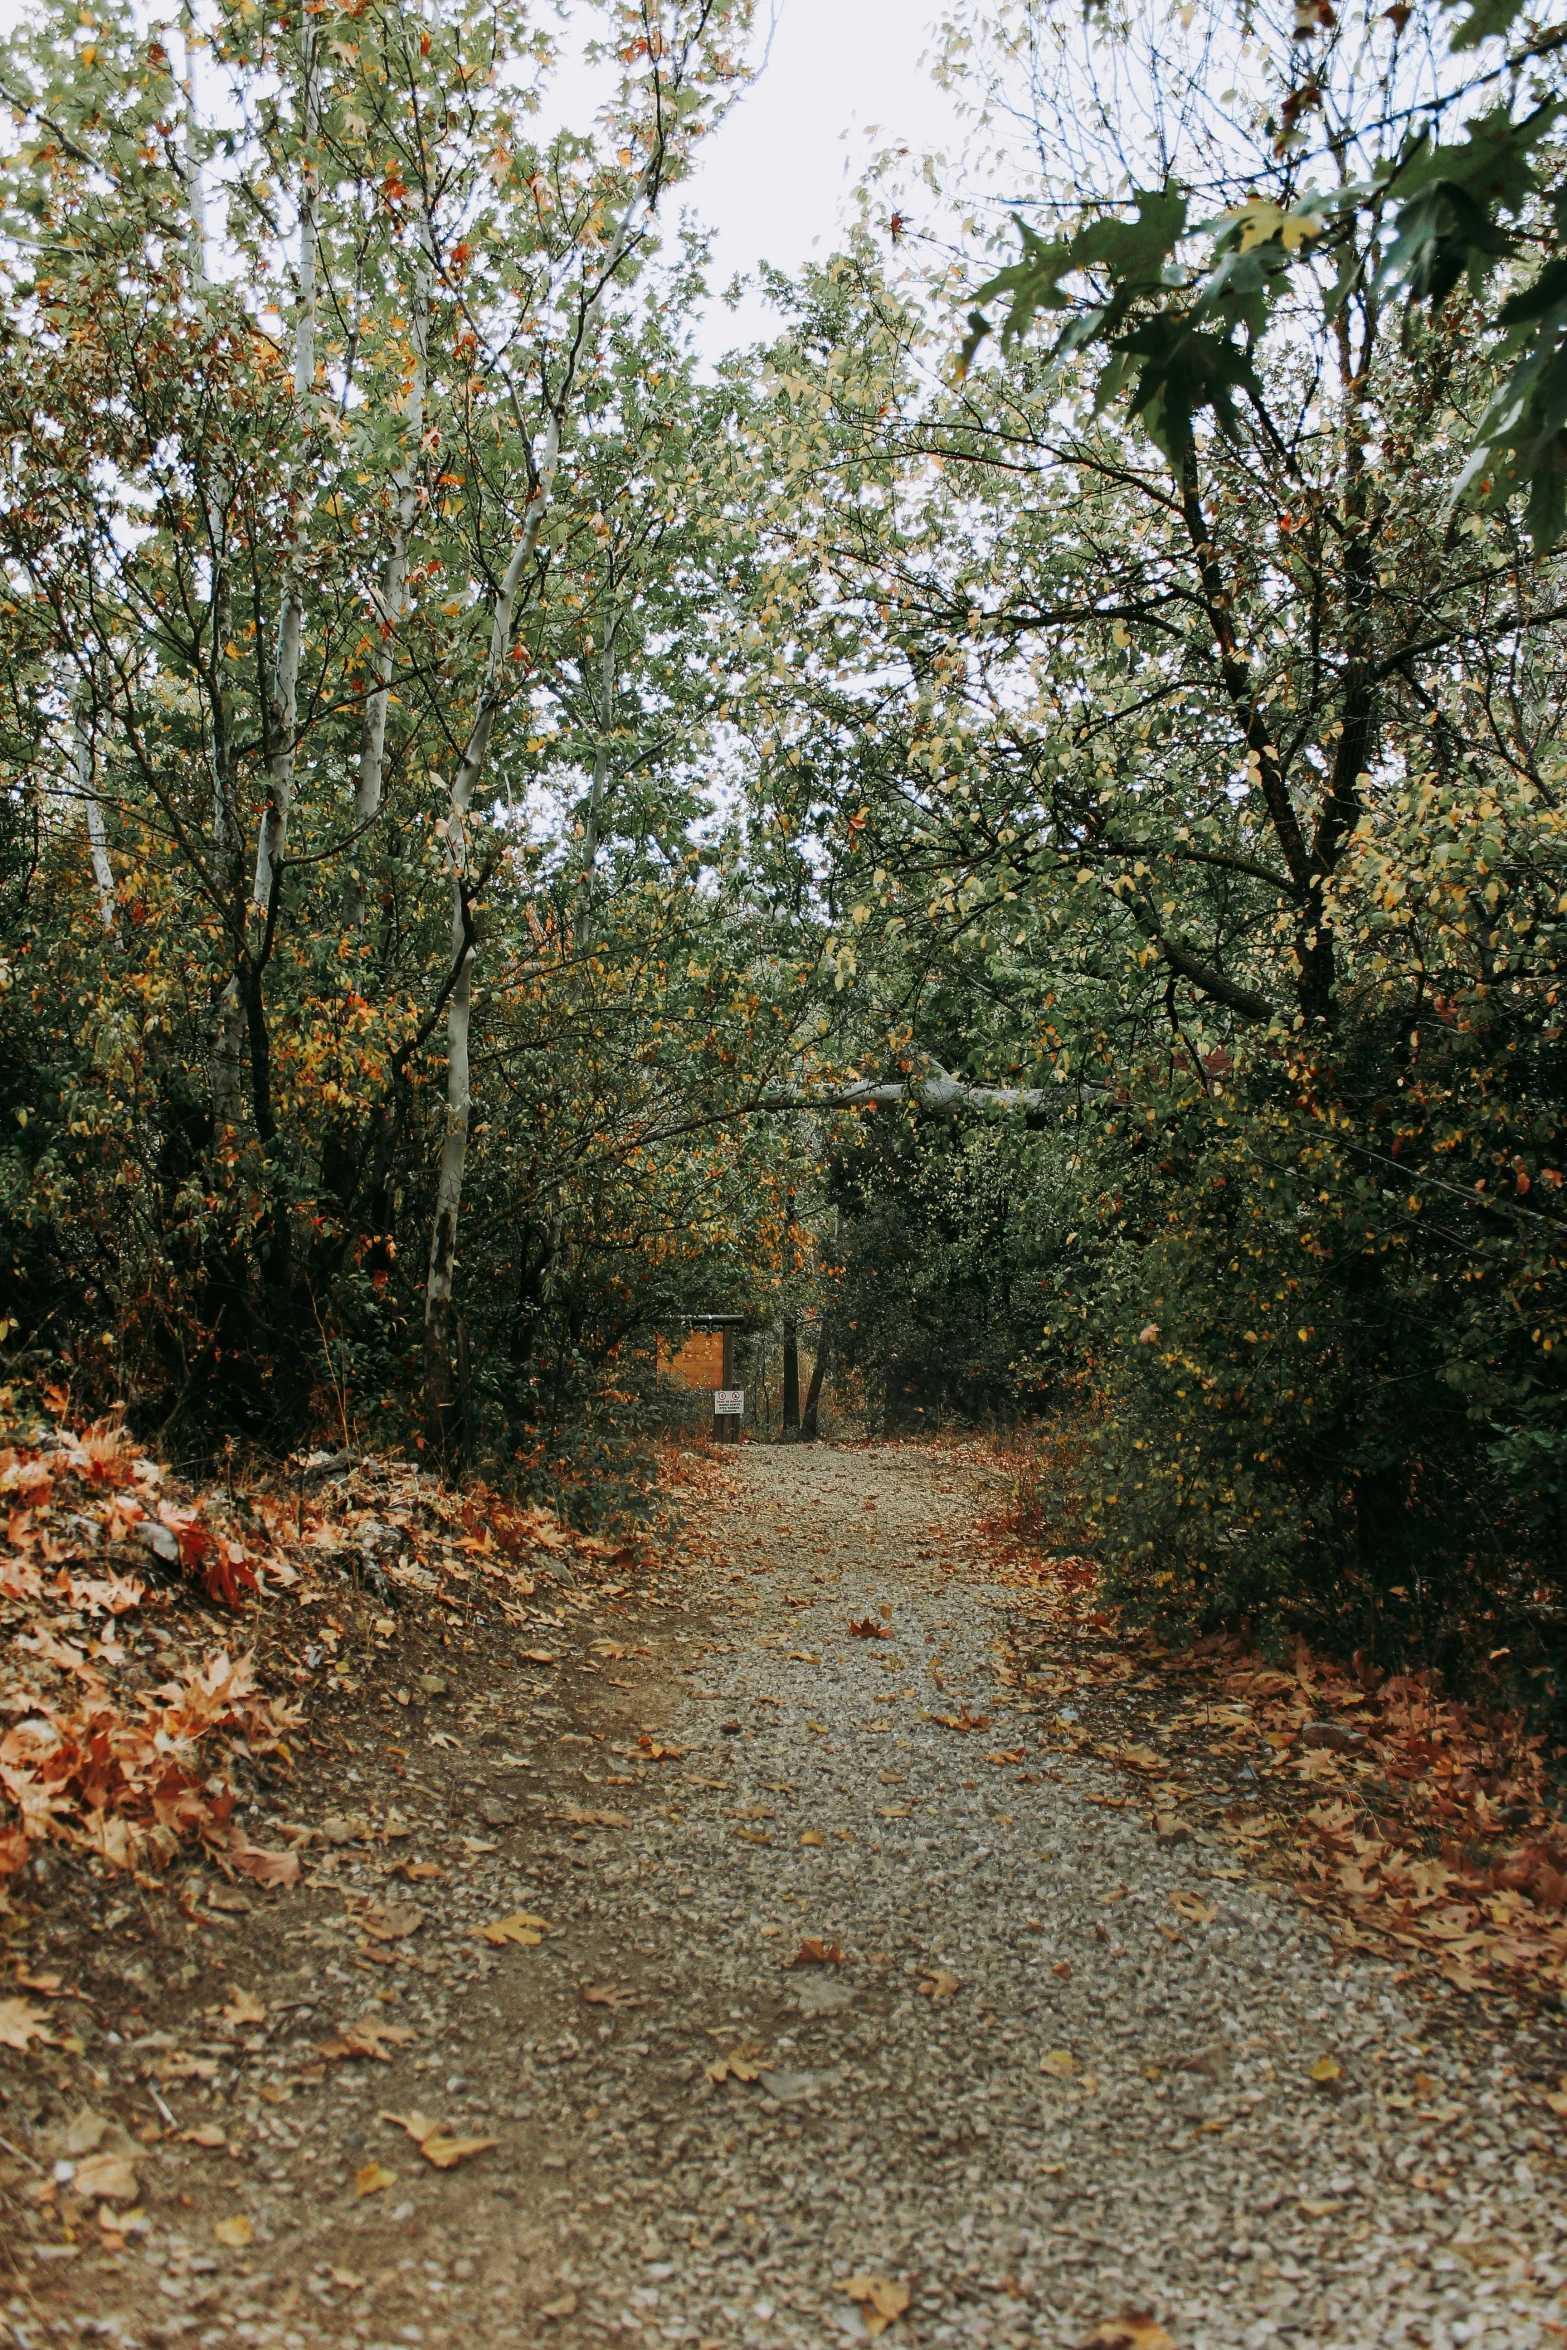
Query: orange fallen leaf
(372, 2177)
(938, 1986)
(609, 1995)
(204, 2134)
(1326, 2068)
(814, 1952)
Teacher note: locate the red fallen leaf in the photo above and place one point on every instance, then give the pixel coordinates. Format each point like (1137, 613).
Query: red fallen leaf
(814, 1952)
(867, 1628)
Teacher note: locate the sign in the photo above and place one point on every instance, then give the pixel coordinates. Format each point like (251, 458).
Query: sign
(728, 1402)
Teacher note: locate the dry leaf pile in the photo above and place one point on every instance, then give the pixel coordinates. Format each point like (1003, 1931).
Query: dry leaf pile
(121, 1716)
(1426, 1829)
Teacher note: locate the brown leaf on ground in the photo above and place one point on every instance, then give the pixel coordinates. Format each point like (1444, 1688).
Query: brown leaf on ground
(882, 2300)
(526, 1932)
(390, 1921)
(435, 2143)
(814, 1952)
(107, 2178)
(1134, 2329)
(266, 1868)
(373, 2036)
(939, 1986)
(867, 1628)
(22, 2022)
(610, 1995)
(373, 2178)
(244, 2008)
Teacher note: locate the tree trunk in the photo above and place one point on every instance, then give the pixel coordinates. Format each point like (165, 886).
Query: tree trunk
(394, 584)
(813, 1394)
(791, 1376)
(87, 789)
(283, 716)
(454, 1150)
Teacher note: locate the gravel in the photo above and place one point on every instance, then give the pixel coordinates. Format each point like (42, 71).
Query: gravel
(1058, 2072)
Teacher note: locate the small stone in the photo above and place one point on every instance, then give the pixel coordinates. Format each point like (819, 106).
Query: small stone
(433, 1684)
(494, 1812)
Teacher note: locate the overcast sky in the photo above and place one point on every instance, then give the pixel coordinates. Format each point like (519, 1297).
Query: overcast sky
(776, 179)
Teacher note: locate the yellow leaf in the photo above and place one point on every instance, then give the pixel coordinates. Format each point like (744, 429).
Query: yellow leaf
(1058, 2061)
(810, 1836)
(371, 2177)
(1326, 2068)
(938, 1986)
(236, 2232)
(519, 1928)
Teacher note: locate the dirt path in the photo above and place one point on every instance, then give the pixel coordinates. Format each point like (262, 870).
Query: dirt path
(1058, 2073)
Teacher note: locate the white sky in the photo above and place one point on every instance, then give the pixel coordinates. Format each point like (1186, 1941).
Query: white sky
(844, 79)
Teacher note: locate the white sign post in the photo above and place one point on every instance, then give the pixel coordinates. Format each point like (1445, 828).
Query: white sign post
(728, 1403)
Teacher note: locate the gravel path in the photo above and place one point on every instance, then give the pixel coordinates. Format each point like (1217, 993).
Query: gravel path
(1059, 2073)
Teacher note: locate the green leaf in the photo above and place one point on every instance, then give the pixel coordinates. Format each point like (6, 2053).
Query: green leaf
(1488, 20)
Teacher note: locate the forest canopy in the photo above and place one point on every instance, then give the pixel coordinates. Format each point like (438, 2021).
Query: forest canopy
(1019, 820)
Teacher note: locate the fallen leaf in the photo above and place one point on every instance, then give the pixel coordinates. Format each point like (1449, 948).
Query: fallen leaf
(371, 2178)
(391, 1921)
(577, 1817)
(609, 1995)
(105, 2178)
(1192, 1906)
(1063, 1968)
(1318, 2210)
(537, 1656)
(1058, 2061)
(236, 2232)
(566, 2306)
(244, 2008)
(369, 2037)
(446, 2153)
(811, 1836)
(266, 1868)
(895, 1811)
(867, 1628)
(346, 2280)
(813, 1952)
(1326, 2068)
(433, 2143)
(204, 2134)
(20, 2022)
(882, 2300)
(526, 1932)
(938, 1986)
(1134, 2329)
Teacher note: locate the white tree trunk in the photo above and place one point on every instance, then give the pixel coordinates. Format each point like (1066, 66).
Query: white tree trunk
(272, 838)
(394, 585)
(454, 1149)
(87, 792)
